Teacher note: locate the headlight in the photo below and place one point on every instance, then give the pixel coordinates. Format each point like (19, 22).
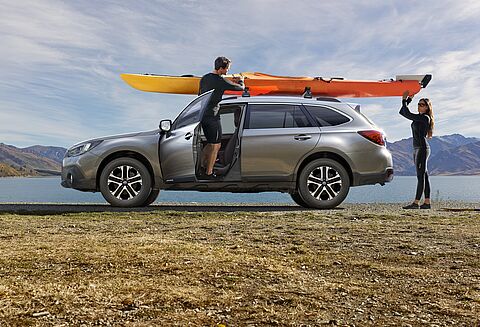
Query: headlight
(82, 148)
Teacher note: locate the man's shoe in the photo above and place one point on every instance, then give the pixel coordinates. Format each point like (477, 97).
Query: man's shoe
(411, 206)
(210, 177)
(426, 206)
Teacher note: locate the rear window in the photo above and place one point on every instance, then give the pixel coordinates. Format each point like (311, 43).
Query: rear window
(276, 116)
(326, 116)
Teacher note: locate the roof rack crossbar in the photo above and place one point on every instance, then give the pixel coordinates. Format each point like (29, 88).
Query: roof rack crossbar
(246, 92)
(307, 93)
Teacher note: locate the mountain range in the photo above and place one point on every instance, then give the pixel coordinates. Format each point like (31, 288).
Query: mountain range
(450, 155)
(37, 160)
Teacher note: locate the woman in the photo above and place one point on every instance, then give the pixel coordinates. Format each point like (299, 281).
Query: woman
(422, 128)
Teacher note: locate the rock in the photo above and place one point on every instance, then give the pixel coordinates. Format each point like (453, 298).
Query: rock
(40, 314)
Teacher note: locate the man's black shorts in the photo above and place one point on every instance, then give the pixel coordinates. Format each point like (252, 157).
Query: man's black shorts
(212, 130)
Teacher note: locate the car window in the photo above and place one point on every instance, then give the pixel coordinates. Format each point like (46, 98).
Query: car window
(191, 114)
(227, 122)
(327, 117)
(276, 116)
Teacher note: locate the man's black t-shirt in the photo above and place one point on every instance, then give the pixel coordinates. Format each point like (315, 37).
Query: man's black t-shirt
(217, 83)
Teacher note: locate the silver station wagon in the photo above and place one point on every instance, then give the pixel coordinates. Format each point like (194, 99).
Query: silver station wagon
(315, 149)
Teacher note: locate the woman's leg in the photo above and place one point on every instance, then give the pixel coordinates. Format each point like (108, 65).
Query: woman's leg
(427, 189)
(427, 182)
(420, 166)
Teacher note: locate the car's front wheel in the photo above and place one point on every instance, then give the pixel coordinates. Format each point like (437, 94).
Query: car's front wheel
(323, 184)
(151, 198)
(125, 182)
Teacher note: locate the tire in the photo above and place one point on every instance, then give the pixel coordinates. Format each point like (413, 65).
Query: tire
(125, 182)
(298, 200)
(323, 184)
(151, 198)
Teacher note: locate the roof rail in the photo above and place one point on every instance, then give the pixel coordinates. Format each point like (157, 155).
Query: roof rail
(328, 99)
(229, 98)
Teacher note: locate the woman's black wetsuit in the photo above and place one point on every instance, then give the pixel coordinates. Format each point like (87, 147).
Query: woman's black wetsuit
(421, 149)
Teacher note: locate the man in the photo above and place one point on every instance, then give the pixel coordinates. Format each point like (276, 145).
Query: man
(211, 120)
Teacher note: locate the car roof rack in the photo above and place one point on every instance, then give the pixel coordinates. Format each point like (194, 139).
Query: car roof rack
(246, 93)
(307, 94)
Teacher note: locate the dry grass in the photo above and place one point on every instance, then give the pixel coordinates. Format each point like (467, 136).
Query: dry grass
(359, 267)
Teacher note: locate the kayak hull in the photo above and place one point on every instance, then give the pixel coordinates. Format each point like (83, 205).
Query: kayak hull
(263, 84)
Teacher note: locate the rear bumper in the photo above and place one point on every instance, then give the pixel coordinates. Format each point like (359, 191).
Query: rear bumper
(377, 178)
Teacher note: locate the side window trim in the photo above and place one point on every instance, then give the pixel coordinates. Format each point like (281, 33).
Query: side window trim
(310, 118)
(246, 124)
(329, 108)
(307, 115)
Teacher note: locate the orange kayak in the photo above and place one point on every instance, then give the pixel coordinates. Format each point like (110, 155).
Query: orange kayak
(264, 84)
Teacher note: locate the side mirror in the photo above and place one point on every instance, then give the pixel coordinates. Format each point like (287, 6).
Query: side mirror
(165, 125)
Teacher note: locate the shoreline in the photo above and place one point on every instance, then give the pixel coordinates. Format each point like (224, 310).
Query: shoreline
(350, 208)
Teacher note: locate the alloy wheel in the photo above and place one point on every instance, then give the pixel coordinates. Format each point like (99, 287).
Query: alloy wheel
(125, 182)
(324, 183)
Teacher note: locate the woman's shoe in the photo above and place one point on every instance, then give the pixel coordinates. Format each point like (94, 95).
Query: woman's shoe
(411, 206)
(426, 206)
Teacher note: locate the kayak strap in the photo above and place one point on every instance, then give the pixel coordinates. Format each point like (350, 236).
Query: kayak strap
(328, 79)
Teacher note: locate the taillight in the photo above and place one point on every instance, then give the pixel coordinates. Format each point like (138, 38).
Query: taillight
(374, 136)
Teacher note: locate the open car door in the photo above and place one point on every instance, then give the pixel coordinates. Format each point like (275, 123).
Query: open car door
(177, 155)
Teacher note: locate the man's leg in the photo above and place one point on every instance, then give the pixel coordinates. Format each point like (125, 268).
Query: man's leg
(205, 155)
(210, 132)
(213, 151)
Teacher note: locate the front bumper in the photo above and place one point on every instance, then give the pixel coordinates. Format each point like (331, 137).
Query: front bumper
(80, 172)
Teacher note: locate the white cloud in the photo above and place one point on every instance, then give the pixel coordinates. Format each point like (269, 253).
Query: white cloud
(61, 61)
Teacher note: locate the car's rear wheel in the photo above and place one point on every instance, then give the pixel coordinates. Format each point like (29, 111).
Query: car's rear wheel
(125, 182)
(298, 200)
(323, 184)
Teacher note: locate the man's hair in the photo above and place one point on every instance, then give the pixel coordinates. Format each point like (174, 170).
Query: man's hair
(222, 62)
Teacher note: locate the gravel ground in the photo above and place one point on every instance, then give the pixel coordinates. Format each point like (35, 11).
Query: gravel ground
(239, 265)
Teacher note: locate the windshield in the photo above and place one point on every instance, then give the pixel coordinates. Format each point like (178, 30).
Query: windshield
(191, 114)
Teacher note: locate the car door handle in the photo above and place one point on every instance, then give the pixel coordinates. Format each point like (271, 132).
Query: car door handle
(302, 137)
(188, 136)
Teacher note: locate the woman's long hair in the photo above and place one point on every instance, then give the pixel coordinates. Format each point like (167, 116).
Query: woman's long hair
(430, 114)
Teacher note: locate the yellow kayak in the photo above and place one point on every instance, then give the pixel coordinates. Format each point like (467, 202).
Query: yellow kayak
(186, 84)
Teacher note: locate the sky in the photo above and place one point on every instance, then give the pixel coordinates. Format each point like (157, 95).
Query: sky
(61, 60)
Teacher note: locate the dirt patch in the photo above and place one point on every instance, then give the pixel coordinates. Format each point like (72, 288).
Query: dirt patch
(361, 265)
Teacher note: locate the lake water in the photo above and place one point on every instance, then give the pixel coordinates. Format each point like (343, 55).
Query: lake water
(401, 189)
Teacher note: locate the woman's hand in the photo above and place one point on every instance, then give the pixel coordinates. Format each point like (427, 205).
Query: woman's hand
(407, 97)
